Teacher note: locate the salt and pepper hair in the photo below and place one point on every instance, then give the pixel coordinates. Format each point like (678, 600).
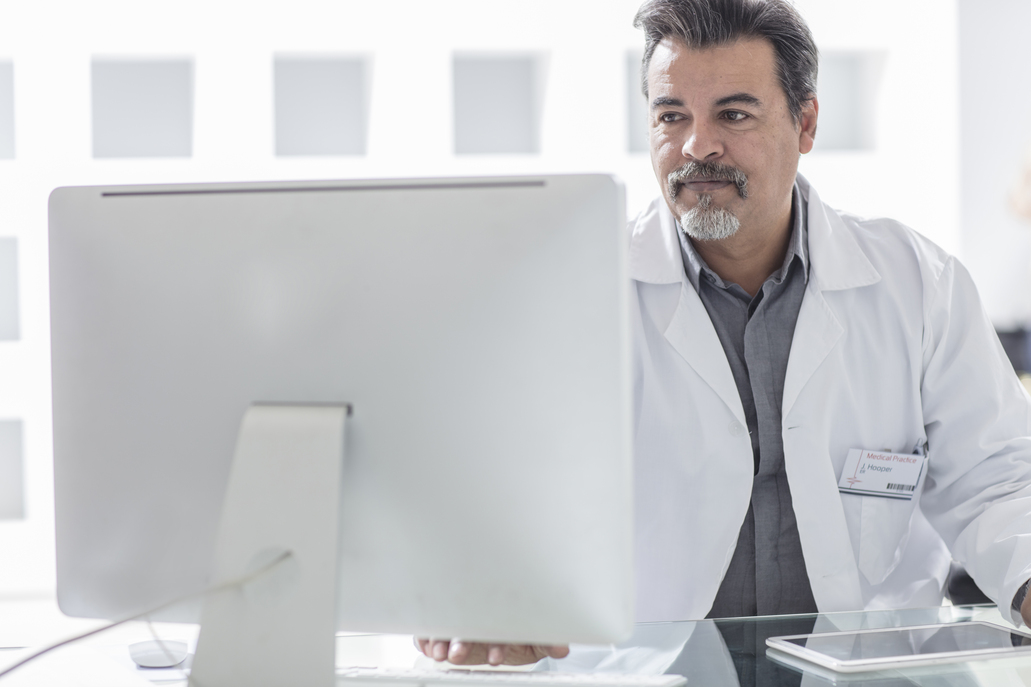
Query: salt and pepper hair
(707, 23)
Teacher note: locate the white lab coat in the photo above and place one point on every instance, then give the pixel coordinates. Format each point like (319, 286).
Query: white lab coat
(892, 351)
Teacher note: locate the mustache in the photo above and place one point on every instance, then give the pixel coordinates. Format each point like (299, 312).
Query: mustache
(706, 171)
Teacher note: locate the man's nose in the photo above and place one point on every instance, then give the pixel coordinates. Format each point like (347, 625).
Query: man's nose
(703, 143)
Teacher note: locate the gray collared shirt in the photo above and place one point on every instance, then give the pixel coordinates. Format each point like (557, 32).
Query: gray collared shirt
(767, 574)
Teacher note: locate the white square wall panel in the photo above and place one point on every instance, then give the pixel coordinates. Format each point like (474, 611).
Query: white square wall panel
(12, 472)
(6, 110)
(320, 106)
(636, 105)
(9, 314)
(142, 108)
(847, 92)
(497, 104)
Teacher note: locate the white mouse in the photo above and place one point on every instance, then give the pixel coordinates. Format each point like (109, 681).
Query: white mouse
(154, 654)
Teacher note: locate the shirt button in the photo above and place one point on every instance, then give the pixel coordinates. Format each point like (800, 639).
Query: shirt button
(736, 430)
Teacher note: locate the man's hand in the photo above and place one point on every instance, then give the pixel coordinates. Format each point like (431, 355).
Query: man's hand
(471, 653)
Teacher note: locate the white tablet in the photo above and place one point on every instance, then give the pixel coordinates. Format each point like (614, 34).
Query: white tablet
(897, 647)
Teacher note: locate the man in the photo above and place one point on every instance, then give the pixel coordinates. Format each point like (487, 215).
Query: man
(774, 335)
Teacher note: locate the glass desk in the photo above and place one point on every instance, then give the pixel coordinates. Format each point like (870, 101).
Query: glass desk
(733, 653)
(722, 653)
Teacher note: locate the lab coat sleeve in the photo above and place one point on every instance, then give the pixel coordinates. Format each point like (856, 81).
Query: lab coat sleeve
(977, 417)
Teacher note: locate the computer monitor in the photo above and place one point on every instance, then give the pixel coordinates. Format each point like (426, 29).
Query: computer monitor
(478, 329)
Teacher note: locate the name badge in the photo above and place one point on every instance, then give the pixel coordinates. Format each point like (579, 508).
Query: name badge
(876, 473)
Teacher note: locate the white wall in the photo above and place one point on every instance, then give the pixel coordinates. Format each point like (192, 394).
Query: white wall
(911, 173)
(995, 115)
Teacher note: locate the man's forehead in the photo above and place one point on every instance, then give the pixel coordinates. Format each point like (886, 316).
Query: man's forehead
(746, 64)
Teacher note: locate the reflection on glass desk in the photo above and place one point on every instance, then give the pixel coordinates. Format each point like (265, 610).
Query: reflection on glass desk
(723, 653)
(732, 652)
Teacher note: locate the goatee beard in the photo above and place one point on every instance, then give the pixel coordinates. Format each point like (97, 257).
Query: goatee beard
(704, 222)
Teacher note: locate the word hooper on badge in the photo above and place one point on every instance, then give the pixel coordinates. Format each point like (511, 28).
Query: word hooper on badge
(876, 473)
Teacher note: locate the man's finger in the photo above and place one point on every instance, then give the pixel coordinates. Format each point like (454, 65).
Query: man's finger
(556, 650)
(458, 652)
(440, 649)
(496, 654)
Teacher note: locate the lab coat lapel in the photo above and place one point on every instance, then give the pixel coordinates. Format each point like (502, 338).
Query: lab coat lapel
(836, 263)
(819, 514)
(655, 258)
(692, 335)
(817, 330)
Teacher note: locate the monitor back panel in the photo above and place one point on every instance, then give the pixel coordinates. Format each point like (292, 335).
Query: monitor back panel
(477, 326)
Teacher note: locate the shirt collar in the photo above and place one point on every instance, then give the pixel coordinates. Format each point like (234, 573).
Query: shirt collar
(798, 246)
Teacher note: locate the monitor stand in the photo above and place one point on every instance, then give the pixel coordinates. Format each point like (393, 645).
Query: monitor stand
(284, 486)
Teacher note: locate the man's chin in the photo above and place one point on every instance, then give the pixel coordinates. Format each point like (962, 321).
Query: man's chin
(709, 224)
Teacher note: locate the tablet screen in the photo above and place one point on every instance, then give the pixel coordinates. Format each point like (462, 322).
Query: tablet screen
(911, 641)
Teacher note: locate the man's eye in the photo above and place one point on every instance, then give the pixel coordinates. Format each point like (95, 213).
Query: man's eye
(669, 117)
(735, 116)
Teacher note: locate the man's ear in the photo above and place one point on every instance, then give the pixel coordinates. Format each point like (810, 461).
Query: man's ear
(807, 125)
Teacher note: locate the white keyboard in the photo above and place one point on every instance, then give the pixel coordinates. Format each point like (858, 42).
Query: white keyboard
(352, 677)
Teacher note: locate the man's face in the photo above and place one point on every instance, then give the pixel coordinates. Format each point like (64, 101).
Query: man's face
(724, 145)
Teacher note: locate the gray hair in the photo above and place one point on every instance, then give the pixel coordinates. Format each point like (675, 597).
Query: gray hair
(707, 23)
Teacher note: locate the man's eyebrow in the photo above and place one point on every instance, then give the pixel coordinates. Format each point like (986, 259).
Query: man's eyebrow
(741, 98)
(665, 100)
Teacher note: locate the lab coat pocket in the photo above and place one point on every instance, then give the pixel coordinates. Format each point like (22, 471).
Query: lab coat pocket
(883, 535)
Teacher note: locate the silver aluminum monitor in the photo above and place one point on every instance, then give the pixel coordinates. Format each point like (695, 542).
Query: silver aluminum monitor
(478, 327)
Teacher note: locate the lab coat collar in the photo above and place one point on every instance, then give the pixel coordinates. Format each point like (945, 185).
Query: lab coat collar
(836, 260)
(655, 248)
